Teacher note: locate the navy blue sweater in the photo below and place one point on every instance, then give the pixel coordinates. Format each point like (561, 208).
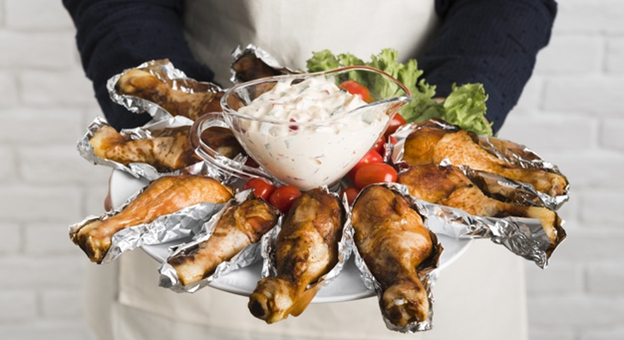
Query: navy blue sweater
(493, 42)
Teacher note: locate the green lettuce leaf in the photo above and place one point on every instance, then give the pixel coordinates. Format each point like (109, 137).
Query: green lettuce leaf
(465, 106)
(322, 61)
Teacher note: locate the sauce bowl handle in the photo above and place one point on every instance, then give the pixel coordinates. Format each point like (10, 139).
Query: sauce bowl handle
(227, 167)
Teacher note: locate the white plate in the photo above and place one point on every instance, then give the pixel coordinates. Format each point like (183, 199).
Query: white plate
(347, 286)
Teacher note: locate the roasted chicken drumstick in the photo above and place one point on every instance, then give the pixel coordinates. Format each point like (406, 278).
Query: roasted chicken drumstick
(165, 153)
(394, 243)
(306, 248)
(163, 196)
(142, 84)
(431, 145)
(448, 185)
(238, 227)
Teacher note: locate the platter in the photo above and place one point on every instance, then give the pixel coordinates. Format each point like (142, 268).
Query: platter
(347, 286)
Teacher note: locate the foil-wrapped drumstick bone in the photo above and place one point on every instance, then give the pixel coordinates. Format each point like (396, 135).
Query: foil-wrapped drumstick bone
(168, 152)
(432, 144)
(143, 84)
(395, 245)
(238, 227)
(448, 185)
(163, 196)
(306, 248)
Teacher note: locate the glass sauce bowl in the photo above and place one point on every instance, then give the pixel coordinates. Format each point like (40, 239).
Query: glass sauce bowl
(305, 154)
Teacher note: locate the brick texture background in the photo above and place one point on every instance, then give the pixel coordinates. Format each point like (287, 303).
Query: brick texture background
(571, 112)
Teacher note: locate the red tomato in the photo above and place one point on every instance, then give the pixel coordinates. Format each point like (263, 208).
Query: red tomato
(371, 156)
(261, 188)
(351, 194)
(395, 123)
(357, 89)
(284, 197)
(379, 145)
(374, 173)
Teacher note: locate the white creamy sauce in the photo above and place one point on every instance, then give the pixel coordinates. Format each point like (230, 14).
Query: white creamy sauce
(314, 154)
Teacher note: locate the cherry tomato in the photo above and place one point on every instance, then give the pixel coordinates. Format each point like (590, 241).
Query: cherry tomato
(351, 194)
(357, 89)
(284, 197)
(379, 145)
(371, 156)
(261, 188)
(394, 124)
(374, 173)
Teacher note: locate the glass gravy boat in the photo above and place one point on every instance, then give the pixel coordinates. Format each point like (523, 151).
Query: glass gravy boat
(305, 154)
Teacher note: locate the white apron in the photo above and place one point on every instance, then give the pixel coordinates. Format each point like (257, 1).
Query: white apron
(480, 296)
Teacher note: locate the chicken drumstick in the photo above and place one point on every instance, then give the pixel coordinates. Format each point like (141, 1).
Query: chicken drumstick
(238, 227)
(306, 248)
(163, 196)
(394, 243)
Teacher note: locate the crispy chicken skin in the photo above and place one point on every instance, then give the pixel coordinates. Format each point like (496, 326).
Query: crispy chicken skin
(431, 145)
(165, 153)
(420, 145)
(163, 196)
(238, 227)
(145, 85)
(448, 185)
(393, 242)
(306, 248)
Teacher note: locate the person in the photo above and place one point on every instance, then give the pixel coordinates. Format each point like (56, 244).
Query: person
(493, 42)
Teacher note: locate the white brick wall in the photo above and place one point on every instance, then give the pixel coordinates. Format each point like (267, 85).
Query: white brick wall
(573, 118)
(45, 105)
(570, 112)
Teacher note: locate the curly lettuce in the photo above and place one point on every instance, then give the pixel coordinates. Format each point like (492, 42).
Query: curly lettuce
(465, 106)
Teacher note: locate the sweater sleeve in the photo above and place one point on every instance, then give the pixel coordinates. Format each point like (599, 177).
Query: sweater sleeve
(494, 42)
(113, 35)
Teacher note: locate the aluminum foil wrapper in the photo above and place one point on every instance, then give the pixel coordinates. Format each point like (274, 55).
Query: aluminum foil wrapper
(251, 254)
(509, 151)
(523, 236)
(269, 268)
(427, 273)
(144, 170)
(168, 74)
(261, 55)
(179, 225)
